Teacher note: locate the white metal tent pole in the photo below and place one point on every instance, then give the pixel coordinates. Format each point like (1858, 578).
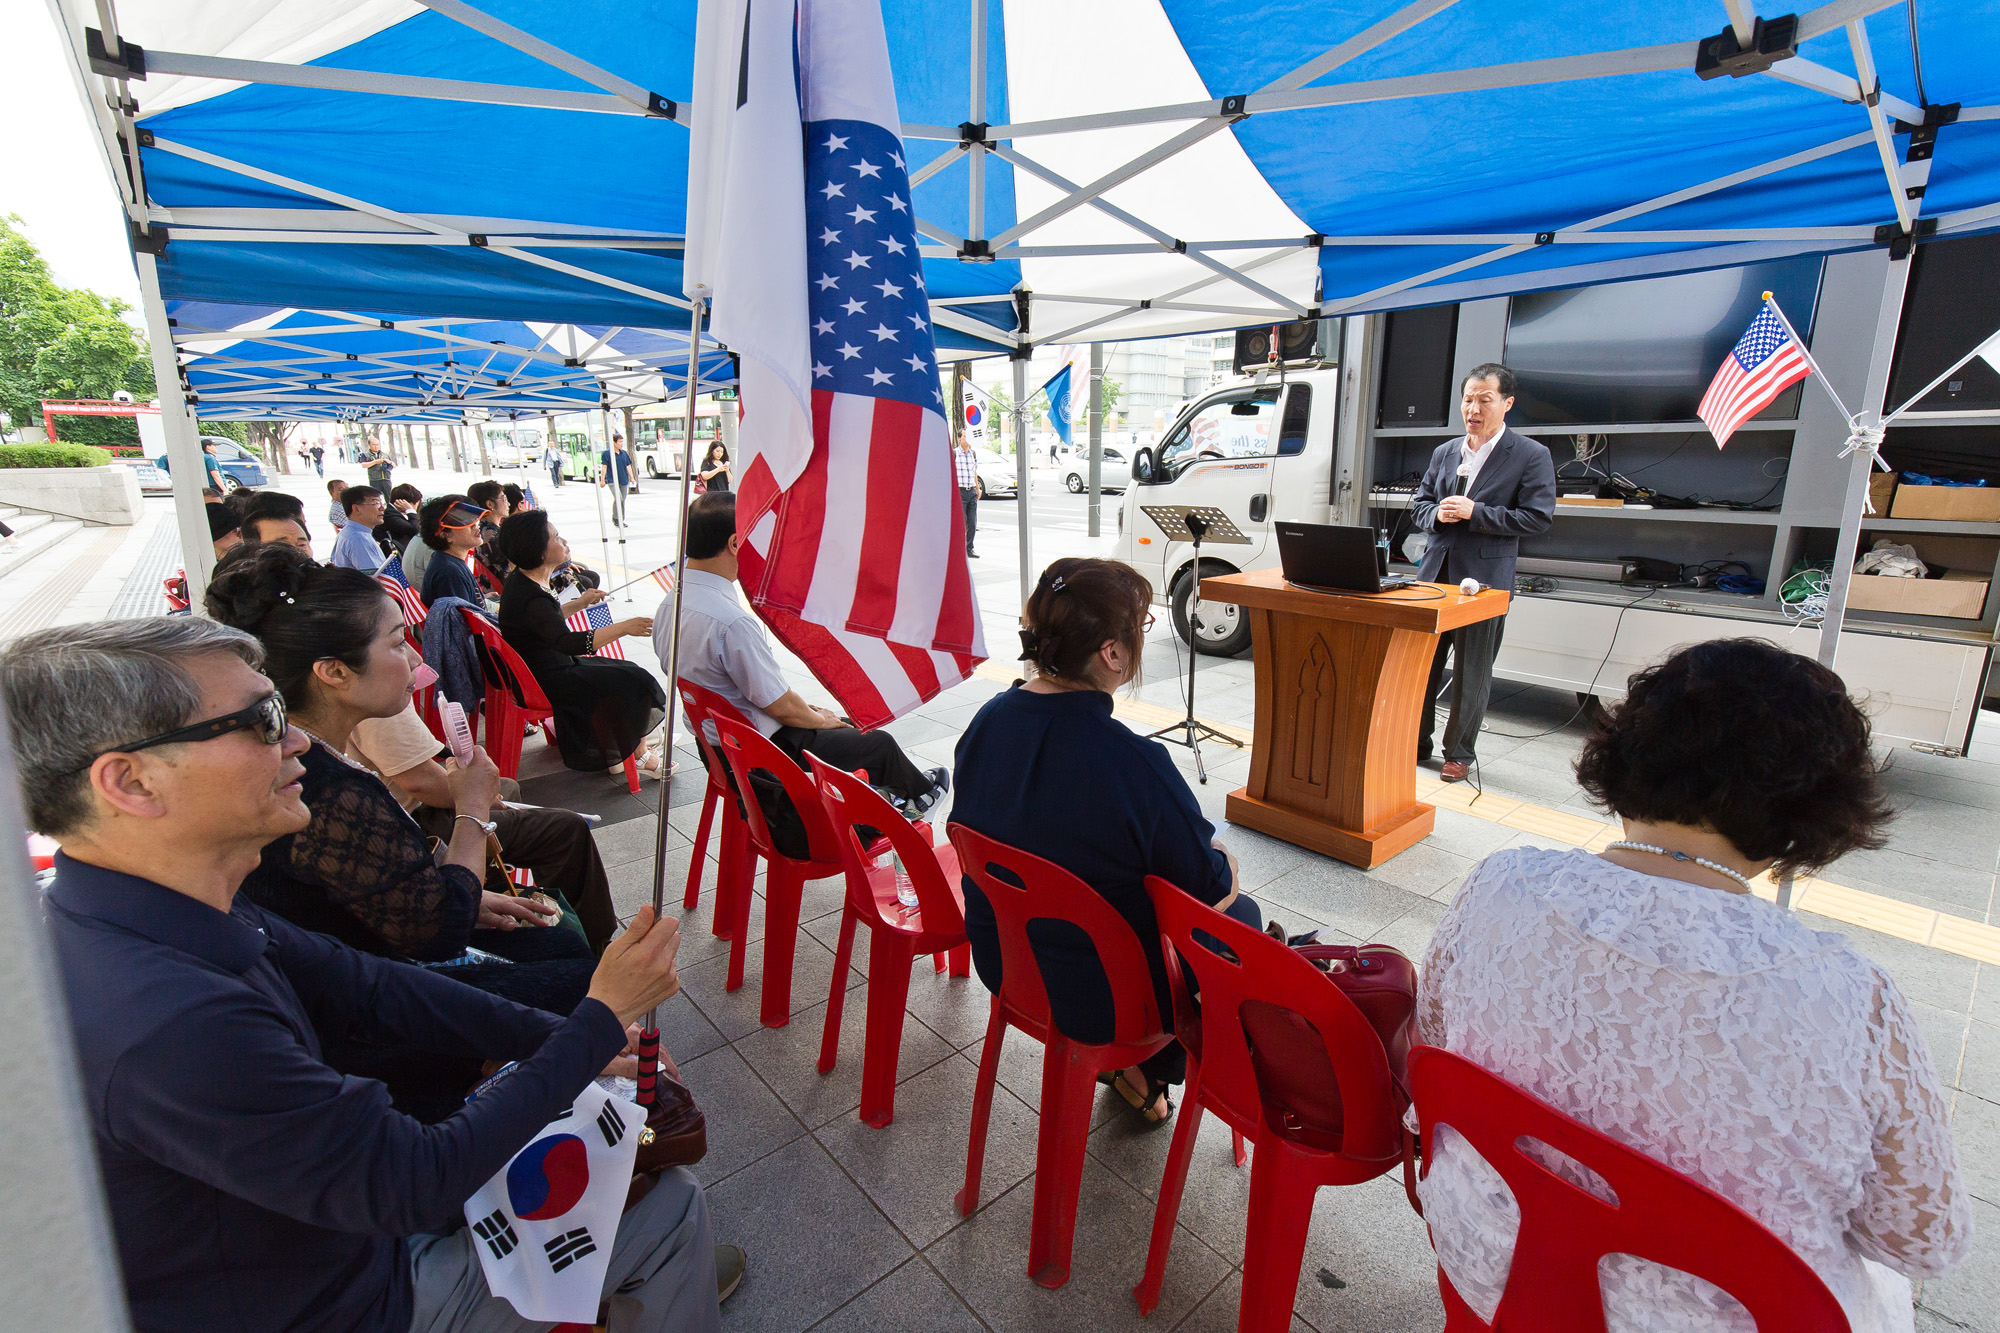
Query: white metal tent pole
(184, 461)
(673, 663)
(1864, 439)
(596, 472)
(1024, 482)
(617, 485)
(1096, 392)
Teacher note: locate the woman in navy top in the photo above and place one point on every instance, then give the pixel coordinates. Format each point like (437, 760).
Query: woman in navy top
(1047, 769)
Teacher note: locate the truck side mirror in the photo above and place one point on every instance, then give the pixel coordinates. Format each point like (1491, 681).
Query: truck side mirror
(1142, 467)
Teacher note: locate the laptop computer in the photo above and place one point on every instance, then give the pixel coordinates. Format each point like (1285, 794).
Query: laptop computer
(1329, 557)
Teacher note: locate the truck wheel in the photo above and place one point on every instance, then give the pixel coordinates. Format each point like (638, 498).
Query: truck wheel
(651, 469)
(1225, 630)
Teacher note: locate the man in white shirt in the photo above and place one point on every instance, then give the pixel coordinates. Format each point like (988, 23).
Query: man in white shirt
(966, 464)
(724, 648)
(354, 546)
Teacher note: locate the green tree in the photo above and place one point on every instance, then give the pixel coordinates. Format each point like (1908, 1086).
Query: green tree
(64, 342)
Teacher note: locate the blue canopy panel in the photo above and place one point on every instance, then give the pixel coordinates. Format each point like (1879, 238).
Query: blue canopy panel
(1506, 164)
(256, 362)
(500, 170)
(930, 50)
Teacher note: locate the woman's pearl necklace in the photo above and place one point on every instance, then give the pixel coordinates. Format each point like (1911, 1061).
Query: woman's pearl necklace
(1701, 861)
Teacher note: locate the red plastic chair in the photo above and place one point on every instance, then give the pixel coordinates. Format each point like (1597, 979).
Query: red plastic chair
(514, 700)
(735, 861)
(1042, 890)
(746, 750)
(897, 935)
(1329, 1066)
(1660, 1215)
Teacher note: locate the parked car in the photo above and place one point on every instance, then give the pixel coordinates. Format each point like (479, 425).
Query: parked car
(996, 474)
(239, 466)
(153, 478)
(1114, 474)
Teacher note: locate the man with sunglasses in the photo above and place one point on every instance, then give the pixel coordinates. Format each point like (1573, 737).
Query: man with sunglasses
(251, 1186)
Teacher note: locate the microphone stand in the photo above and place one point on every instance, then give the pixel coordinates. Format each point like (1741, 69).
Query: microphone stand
(1188, 731)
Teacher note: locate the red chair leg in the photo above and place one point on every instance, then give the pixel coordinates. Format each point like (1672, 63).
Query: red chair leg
(937, 963)
(961, 961)
(982, 1109)
(738, 933)
(1281, 1202)
(732, 861)
(829, 1041)
(889, 963)
(1167, 1211)
(632, 774)
(693, 895)
(1236, 1147)
(783, 888)
(1069, 1087)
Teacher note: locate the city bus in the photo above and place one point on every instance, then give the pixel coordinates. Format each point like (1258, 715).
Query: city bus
(661, 428)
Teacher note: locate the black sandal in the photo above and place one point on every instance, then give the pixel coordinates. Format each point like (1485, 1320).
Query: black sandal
(1156, 1091)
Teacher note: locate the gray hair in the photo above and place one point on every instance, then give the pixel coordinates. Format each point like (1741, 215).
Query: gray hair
(77, 690)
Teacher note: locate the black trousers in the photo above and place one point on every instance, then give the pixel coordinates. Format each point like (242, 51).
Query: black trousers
(1472, 650)
(846, 747)
(968, 500)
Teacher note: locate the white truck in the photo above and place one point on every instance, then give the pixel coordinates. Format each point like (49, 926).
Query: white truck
(1302, 442)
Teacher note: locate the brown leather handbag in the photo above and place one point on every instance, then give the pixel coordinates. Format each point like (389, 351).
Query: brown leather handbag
(676, 1132)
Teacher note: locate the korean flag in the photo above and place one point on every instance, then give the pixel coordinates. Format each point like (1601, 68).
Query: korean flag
(545, 1224)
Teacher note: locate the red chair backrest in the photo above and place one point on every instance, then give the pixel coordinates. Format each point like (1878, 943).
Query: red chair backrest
(701, 703)
(1276, 1040)
(1660, 1215)
(1039, 890)
(852, 804)
(503, 665)
(745, 750)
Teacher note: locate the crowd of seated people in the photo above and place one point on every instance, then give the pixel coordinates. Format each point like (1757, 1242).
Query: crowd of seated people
(1644, 990)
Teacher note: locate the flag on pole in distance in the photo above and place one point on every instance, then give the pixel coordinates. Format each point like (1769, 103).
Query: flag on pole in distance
(545, 1223)
(1058, 391)
(1766, 361)
(854, 546)
(597, 617)
(392, 579)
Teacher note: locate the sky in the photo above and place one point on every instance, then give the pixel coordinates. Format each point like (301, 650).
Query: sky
(52, 173)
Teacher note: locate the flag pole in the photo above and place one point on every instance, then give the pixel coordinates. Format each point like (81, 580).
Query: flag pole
(673, 662)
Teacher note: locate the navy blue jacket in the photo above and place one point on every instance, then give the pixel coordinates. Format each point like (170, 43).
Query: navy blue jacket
(1057, 776)
(251, 1186)
(1514, 496)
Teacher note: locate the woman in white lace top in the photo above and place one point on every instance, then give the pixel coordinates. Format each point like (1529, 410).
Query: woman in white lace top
(1647, 993)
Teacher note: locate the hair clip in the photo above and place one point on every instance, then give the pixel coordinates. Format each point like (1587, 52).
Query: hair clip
(1058, 584)
(1031, 646)
(289, 600)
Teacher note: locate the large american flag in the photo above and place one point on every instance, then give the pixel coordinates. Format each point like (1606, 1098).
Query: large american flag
(391, 577)
(854, 547)
(1766, 361)
(597, 616)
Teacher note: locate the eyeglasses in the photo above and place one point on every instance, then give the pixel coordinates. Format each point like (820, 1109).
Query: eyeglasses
(267, 715)
(1147, 627)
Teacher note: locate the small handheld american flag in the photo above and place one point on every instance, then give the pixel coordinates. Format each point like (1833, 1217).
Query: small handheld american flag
(597, 617)
(390, 576)
(1767, 360)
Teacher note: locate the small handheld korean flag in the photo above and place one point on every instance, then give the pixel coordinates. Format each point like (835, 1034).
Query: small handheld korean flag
(546, 1222)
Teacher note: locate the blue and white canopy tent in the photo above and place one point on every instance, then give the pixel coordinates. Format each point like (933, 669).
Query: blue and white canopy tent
(241, 362)
(1122, 169)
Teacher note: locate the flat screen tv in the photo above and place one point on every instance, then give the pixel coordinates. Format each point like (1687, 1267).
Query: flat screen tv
(1645, 350)
(1953, 306)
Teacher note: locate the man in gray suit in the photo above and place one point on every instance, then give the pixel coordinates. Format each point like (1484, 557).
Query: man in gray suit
(1481, 494)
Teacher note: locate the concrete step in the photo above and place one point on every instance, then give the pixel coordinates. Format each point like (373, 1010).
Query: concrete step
(38, 534)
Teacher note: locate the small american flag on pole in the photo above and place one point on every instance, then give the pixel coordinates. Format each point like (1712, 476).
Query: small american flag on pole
(1767, 360)
(390, 576)
(597, 617)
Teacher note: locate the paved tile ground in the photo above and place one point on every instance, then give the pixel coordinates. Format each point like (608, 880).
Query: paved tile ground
(851, 1228)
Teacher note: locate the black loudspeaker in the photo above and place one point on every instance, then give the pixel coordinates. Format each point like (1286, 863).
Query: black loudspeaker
(1416, 367)
(1298, 341)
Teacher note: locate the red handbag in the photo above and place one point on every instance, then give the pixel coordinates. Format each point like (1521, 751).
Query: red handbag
(1295, 1078)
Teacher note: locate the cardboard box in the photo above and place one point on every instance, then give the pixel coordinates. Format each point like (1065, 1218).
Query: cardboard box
(1959, 595)
(1881, 491)
(1956, 504)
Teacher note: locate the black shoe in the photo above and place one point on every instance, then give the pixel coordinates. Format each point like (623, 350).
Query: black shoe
(940, 784)
(972, 555)
(1423, 754)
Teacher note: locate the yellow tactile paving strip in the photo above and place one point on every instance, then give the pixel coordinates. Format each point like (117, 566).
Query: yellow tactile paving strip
(1853, 907)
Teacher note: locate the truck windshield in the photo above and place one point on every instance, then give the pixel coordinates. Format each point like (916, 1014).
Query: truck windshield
(1237, 425)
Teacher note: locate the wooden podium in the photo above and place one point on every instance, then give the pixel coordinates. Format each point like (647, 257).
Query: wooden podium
(1340, 689)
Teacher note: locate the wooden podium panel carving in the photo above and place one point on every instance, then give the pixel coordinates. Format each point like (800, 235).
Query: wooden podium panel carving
(1340, 689)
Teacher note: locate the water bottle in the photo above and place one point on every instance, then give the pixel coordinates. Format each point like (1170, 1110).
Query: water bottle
(906, 892)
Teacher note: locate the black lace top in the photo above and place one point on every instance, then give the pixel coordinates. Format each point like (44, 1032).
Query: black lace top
(362, 871)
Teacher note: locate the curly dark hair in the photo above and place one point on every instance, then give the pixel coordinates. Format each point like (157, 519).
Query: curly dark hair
(303, 612)
(1079, 605)
(1739, 736)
